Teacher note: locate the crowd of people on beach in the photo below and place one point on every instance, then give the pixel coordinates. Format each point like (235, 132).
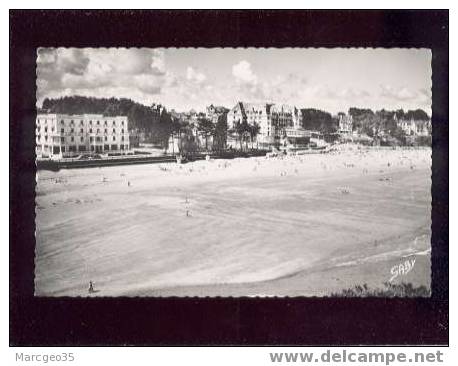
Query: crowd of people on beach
(362, 160)
(345, 160)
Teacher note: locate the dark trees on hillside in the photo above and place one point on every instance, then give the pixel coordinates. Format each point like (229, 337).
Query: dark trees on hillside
(417, 114)
(164, 129)
(317, 120)
(362, 118)
(370, 123)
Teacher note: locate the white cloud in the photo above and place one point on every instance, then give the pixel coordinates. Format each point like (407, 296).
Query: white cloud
(158, 61)
(166, 75)
(400, 93)
(243, 73)
(104, 72)
(194, 75)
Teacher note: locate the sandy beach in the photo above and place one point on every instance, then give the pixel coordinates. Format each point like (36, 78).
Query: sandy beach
(304, 225)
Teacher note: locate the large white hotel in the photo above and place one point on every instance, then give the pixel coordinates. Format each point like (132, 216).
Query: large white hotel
(63, 135)
(275, 120)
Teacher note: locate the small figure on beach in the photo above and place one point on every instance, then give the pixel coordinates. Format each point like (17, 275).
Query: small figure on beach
(188, 214)
(128, 183)
(91, 287)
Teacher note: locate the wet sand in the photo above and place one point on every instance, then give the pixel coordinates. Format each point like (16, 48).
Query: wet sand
(300, 226)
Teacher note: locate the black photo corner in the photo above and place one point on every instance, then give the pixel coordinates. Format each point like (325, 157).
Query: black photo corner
(219, 321)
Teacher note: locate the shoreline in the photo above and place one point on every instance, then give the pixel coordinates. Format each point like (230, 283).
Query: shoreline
(320, 280)
(298, 284)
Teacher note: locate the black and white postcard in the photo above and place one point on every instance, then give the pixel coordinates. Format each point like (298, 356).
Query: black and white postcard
(257, 167)
(233, 172)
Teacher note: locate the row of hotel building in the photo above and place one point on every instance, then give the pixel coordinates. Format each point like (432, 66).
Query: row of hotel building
(62, 135)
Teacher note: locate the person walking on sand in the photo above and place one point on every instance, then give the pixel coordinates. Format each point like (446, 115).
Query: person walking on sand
(91, 287)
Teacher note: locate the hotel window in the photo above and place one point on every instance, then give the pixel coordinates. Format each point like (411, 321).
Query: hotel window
(46, 137)
(81, 130)
(71, 122)
(122, 138)
(81, 139)
(114, 123)
(91, 139)
(98, 123)
(114, 138)
(81, 123)
(62, 130)
(62, 140)
(106, 138)
(90, 122)
(98, 130)
(46, 129)
(90, 130)
(105, 130)
(105, 123)
(72, 139)
(114, 131)
(72, 130)
(61, 121)
(122, 131)
(122, 123)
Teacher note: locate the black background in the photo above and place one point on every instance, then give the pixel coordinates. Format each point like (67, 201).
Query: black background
(218, 321)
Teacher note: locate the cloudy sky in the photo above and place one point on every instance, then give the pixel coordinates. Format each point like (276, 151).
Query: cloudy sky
(328, 79)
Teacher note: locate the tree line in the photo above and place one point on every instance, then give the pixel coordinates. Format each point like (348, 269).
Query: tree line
(365, 120)
(157, 124)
